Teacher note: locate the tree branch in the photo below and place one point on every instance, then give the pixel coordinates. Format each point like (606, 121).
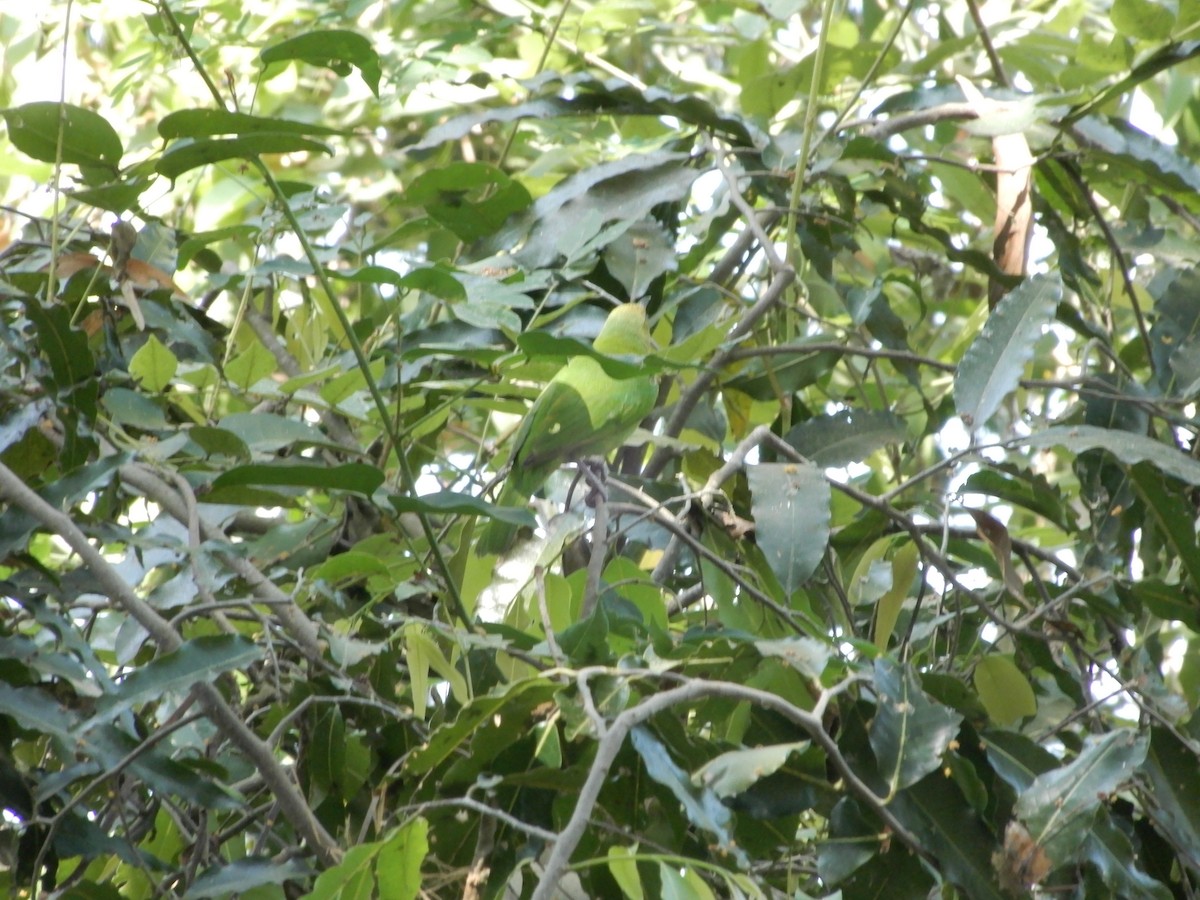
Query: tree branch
(689, 692)
(285, 789)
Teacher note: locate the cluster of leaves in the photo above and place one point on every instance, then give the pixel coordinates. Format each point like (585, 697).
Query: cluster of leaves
(894, 591)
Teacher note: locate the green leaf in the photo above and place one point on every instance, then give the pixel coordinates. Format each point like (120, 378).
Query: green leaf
(437, 280)
(219, 442)
(1144, 19)
(993, 364)
(327, 749)
(622, 866)
(333, 49)
(887, 610)
(1126, 446)
(1103, 52)
(516, 700)
(591, 96)
(1160, 164)
(471, 199)
(682, 884)
(1167, 506)
(194, 123)
(643, 253)
(734, 772)
(198, 660)
(87, 137)
(66, 347)
(1017, 759)
(568, 223)
(251, 366)
(1059, 806)
(133, 409)
(119, 195)
(245, 874)
(845, 436)
(112, 747)
(183, 156)
(267, 432)
(350, 566)
(909, 733)
(424, 655)
(453, 503)
(358, 478)
(1108, 848)
(791, 506)
(951, 831)
(36, 709)
(1003, 689)
(701, 805)
(1170, 768)
(1029, 490)
(491, 303)
(380, 870)
(398, 873)
(154, 365)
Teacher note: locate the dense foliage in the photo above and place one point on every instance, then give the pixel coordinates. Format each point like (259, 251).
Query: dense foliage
(896, 590)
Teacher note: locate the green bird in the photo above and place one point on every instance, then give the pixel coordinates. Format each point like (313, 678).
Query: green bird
(582, 412)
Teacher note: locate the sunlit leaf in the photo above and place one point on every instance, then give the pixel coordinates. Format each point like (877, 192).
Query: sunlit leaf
(1004, 690)
(44, 129)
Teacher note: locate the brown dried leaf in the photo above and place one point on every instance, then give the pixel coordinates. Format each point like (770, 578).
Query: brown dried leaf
(1022, 863)
(996, 534)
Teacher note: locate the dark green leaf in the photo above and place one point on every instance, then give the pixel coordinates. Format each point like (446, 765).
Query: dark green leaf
(268, 432)
(183, 156)
(197, 661)
(1170, 768)
(567, 223)
(356, 477)
(1160, 163)
(193, 123)
(591, 96)
(452, 503)
(332, 48)
(134, 410)
(245, 874)
(835, 439)
(516, 701)
(87, 138)
(993, 364)
(701, 805)
(1059, 806)
(1110, 851)
(1127, 447)
(471, 199)
(66, 348)
(791, 506)
(936, 810)
(909, 733)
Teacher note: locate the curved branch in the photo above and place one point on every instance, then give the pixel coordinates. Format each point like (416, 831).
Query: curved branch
(610, 744)
(230, 724)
